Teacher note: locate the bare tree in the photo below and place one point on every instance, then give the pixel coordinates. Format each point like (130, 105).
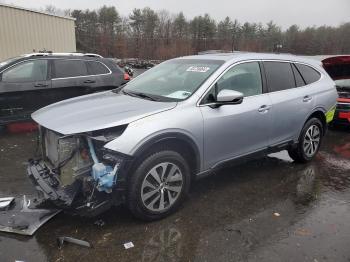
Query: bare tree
(160, 35)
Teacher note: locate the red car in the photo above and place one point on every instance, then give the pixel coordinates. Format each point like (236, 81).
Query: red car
(338, 67)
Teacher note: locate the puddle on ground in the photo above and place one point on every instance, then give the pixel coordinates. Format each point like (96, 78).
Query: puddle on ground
(228, 217)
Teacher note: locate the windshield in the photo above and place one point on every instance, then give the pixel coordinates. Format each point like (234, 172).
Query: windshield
(345, 83)
(174, 80)
(3, 63)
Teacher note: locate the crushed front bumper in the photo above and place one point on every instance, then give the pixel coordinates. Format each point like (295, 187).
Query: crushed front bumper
(80, 197)
(48, 185)
(23, 218)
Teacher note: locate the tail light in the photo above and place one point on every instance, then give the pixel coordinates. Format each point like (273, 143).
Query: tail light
(126, 77)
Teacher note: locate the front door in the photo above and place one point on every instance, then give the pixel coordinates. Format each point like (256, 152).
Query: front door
(235, 130)
(23, 89)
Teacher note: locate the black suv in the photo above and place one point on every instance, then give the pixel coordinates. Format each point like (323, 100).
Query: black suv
(32, 81)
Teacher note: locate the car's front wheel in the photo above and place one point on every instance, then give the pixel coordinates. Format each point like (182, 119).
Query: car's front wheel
(159, 185)
(309, 141)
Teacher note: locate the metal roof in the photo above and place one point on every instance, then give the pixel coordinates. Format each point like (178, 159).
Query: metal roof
(35, 11)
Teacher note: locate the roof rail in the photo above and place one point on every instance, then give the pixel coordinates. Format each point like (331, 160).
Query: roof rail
(62, 54)
(209, 52)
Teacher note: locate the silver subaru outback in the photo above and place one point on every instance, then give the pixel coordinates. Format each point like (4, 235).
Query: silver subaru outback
(144, 143)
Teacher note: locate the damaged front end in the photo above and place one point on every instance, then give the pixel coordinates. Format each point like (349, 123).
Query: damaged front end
(77, 173)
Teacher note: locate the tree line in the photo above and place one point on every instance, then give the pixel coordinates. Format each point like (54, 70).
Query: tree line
(150, 34)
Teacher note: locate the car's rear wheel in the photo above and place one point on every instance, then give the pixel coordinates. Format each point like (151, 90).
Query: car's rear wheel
(159, 185)
(309, 141)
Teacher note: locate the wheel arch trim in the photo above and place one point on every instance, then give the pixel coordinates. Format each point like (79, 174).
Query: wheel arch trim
(147, 144)
(319, 109)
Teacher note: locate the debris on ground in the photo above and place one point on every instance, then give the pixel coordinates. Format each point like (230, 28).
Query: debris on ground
(21, 218)
(105, 238)
(99, 223)
(5, 202)
(61, 240)
(276, 214)
(303, 232)
(128, 245)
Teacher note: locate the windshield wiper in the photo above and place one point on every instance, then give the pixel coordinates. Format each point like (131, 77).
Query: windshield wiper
(150, 97)
(119, 88)
(142, 95)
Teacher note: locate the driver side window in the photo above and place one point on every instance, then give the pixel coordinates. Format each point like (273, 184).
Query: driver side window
(28, 71)
(244, 78)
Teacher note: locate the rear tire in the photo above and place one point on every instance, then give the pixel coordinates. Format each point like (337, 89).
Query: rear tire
(310, 140)
(158, 186)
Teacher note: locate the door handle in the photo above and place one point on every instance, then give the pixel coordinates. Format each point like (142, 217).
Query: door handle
(89, 81)
(264, 108)
(307, 99)
(41, 85)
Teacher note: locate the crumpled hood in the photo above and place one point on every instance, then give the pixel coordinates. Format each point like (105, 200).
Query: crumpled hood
(96, 111)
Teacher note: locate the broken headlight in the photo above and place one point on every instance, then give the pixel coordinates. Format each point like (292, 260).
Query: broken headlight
(108, 134)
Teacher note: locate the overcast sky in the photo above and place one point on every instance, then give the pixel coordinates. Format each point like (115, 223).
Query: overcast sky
(283, 12)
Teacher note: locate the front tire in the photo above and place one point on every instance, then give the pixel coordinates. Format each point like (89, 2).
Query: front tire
(309, 141)
(159, 185)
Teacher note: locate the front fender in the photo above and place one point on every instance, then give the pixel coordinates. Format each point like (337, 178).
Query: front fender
(185, 124)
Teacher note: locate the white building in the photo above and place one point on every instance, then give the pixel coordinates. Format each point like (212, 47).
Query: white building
(26, 31)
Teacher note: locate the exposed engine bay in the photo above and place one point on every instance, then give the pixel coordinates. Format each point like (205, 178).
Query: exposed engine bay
(76, 172)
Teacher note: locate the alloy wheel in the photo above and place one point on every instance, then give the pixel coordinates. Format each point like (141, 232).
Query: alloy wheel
(161, 187)
(311, 140)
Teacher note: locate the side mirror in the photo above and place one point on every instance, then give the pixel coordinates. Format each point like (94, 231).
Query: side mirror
(226, 96)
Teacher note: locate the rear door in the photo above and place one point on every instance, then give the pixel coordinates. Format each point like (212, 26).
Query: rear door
(100, 77)
(68, 79)
(23, 89)
(292, 101)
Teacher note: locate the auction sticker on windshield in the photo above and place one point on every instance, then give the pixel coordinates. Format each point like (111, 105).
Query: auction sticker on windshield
(199, 69)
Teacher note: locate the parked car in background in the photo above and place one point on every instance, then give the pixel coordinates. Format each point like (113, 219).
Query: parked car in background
(338, 67)
(129, 70)
(144, 143)
(32, 81)
(342, 115)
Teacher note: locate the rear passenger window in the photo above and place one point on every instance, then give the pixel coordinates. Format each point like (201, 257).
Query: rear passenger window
(299, 81)
(279, 76)
(70, 68)
(309, 74)
(96, 68)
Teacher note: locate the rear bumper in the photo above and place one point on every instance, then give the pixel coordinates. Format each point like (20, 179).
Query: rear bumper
(342, 113)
